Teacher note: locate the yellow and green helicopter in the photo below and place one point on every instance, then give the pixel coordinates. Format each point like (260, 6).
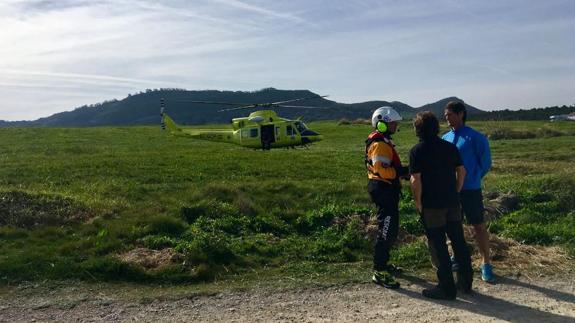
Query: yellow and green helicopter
(262, 129)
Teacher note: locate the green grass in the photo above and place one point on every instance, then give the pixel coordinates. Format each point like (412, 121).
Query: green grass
(72, 199)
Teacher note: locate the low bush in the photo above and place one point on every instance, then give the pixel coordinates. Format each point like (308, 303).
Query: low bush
(166, 225)
(412, 255)
(158, 242)
(208, 208)
(207, 247)
(507, 133)
(24, 210)
(499, 134)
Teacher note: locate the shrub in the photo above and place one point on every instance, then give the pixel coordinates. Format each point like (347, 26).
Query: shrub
(12, 233)
(504, 133)
(413, 255)
(267, 223)
(530, 234)
(165, 224)
(207, 247)
(263, 245)
(110, 268)
(411, 224)
(24, 210)
(322, 218)
(341, 244)
(208, 209)
(158, 242)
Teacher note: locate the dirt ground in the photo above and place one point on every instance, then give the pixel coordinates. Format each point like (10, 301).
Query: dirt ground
(523, 299)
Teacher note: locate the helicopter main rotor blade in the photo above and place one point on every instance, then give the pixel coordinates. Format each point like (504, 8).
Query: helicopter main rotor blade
(251, 106)
(299, 106)
(241, 106)
(272, 105)
(300, 99)
(211, 102)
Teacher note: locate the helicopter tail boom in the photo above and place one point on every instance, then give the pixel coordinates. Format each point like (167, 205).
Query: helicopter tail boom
(170, 125)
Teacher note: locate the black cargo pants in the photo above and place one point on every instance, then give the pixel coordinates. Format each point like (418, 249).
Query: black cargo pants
(386, 198)
(441, 222)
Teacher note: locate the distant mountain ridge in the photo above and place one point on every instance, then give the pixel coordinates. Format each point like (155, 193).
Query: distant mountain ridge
(144, 108)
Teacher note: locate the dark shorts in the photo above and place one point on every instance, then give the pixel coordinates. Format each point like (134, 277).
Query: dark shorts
(472, 206)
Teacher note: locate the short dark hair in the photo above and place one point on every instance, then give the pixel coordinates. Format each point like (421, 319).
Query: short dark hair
(426, 125)
(456, 107)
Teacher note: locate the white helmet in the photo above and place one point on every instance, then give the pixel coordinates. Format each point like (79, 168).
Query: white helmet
(385, 114)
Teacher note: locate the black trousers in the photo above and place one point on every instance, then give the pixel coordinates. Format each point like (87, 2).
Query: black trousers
(386, 198)
(438, 224)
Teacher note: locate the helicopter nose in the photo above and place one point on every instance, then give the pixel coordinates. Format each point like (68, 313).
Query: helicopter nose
(310, 136)
(317, 137)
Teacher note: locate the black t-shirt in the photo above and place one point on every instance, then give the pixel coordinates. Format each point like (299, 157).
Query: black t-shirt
(436, 160)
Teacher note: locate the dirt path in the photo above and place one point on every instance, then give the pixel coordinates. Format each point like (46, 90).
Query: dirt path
(516, 300)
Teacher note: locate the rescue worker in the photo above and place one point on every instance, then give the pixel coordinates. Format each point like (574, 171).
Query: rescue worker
(384, 170)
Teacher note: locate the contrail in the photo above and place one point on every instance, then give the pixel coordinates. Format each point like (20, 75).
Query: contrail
(242, 5)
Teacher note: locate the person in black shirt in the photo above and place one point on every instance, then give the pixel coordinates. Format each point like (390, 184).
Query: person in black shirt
(437, 175)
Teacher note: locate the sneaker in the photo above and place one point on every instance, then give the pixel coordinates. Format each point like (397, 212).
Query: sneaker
(454, 264)
(385, 279)
(437, 293)
(487, 273)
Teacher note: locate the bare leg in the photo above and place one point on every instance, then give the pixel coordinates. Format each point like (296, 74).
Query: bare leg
(482, 237)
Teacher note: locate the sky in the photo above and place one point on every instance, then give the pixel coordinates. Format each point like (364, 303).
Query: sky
(56, 55)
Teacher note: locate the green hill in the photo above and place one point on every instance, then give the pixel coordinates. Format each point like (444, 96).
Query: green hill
(143, 108)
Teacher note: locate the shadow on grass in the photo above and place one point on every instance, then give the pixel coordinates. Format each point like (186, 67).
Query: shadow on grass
(495, 307)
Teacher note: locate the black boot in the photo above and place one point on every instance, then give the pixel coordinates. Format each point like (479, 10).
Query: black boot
(437, 293)
(464, 282)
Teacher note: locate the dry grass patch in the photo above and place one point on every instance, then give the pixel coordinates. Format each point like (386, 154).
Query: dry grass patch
(509, 256)
(152, 259)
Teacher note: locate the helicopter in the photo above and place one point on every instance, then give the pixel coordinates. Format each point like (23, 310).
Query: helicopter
(262, 129)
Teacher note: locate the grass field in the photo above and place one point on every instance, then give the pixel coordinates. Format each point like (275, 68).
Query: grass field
(71, 200)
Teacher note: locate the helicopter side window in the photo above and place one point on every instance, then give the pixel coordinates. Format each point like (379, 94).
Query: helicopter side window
(289, 131)
(254, 133)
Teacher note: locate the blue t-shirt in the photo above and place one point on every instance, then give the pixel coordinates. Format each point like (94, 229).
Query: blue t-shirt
(474, 150)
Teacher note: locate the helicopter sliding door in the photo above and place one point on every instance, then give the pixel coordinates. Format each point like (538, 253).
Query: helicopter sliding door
(268, 136)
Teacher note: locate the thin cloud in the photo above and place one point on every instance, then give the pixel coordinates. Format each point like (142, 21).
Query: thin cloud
(260, 10)
(71, 77)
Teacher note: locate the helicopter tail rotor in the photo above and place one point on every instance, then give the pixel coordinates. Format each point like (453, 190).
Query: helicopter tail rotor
(162, 108)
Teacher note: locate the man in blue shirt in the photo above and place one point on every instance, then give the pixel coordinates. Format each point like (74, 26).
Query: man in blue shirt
(474, 150)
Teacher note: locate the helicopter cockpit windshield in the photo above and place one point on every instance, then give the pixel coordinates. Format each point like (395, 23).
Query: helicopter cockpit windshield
(301, 127)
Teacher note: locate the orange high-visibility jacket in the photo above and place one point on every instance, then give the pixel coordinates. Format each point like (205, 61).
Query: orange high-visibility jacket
(382, 160)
